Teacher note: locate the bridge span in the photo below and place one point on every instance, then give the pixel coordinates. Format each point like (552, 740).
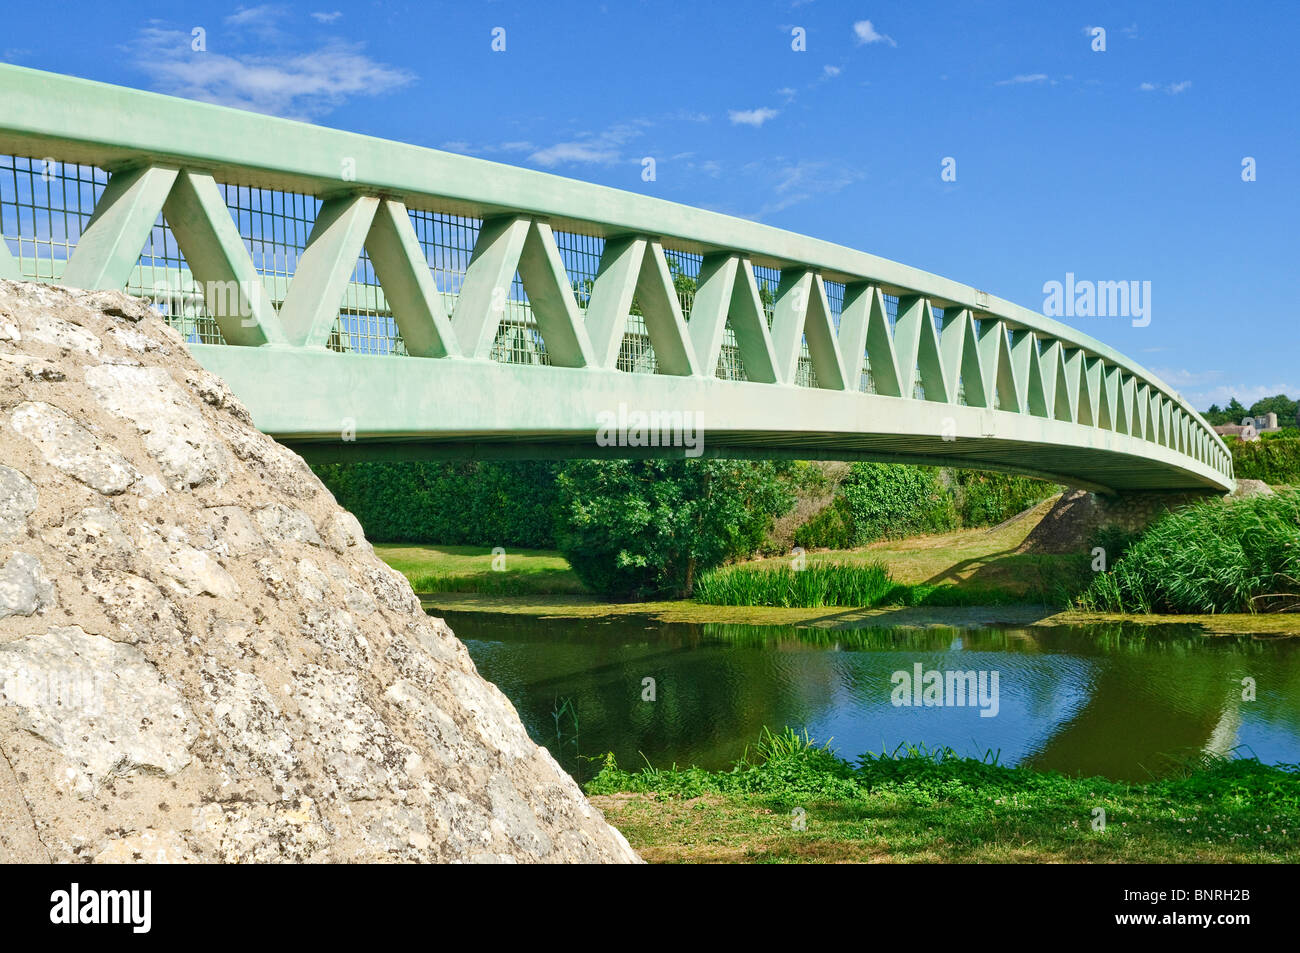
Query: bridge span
(370, 299)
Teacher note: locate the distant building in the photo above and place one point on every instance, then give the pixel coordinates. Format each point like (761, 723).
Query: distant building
(1251, 427)
(1264, 423)
(1244, 431)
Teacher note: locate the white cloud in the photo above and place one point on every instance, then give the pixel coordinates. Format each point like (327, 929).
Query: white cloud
(1201, 388)
(563, 153)
(1023, 78)
(253, 16)
(299, 85)
(831, 71)
(262, 21)
(1180, 377)
(864, 32)
(789, 183)
(1173, 89)
(602, 148)
(1247, 394)
(751, 117)
(327, 17)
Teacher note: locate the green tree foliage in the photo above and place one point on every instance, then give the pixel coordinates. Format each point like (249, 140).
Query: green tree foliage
(1273, 461)
(888, 500)
(649, 527)
(1280, 404)
(1235, 412)
(986, 499)
(480, 503)
(885, 500)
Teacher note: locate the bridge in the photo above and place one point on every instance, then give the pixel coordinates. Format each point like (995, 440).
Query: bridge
(369, 299)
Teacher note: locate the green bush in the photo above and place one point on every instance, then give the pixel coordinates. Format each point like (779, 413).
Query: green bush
(885, 500)
(987, 499)
(831, 527)
(635, 528)
(1275, 461)
(1217, 556)
(481, 503)
(889, 501)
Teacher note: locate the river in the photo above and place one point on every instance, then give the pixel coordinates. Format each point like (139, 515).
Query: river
(1124, 702)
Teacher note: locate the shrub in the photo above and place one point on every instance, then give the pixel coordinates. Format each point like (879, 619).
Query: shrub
(888, 500)
(830, 528)
(649, 527)
(1217, 556)
(1274, 461)
(883, 500)
(482, 503)
(986, 499)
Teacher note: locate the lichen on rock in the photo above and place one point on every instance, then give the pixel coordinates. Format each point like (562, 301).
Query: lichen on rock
(201, 658)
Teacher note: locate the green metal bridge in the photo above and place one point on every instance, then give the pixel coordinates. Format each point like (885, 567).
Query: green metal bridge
(371, 299)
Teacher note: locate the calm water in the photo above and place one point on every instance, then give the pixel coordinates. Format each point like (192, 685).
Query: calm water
(1093, 700)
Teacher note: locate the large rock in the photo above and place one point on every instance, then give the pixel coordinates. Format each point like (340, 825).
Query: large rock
(201, 658)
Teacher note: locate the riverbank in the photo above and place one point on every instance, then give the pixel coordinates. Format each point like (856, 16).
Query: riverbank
(1030, 588)
(984, 560)
(800, 804)
(686, 610)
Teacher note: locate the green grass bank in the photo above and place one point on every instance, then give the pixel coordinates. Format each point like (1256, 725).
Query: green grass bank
(790, 800)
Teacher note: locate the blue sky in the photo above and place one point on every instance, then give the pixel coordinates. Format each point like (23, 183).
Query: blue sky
(1117, 165)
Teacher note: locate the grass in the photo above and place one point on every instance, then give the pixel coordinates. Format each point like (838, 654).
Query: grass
(979, 566)
(823, 584)
(826, 584)
(469, 569)
(1218, 556)
(919, 805)
(970, 567)
(964, 568)
(831, 619)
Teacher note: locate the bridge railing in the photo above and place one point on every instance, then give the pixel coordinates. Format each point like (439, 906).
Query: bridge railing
(248, 230)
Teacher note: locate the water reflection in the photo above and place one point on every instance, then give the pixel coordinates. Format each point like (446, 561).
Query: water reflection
(1098, 699)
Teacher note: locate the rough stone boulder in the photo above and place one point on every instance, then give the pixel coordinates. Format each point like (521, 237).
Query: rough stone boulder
(201, 658)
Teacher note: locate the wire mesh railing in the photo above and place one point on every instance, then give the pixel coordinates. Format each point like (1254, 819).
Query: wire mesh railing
(45, 206)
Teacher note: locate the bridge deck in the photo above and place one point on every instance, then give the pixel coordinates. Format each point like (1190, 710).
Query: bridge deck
(426, 303)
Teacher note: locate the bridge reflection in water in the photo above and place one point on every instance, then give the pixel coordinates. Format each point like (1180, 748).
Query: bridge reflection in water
(1091, 700)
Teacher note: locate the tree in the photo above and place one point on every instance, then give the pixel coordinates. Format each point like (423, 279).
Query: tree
(636, 528)
(1280, 404)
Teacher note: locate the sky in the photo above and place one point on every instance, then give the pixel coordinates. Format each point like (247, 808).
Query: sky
(986, 142)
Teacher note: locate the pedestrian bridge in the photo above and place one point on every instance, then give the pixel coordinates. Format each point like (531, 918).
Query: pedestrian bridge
(369, 299)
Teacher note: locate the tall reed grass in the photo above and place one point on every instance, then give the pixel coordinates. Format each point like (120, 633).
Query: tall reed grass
(818, 585)
(1234, 556)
